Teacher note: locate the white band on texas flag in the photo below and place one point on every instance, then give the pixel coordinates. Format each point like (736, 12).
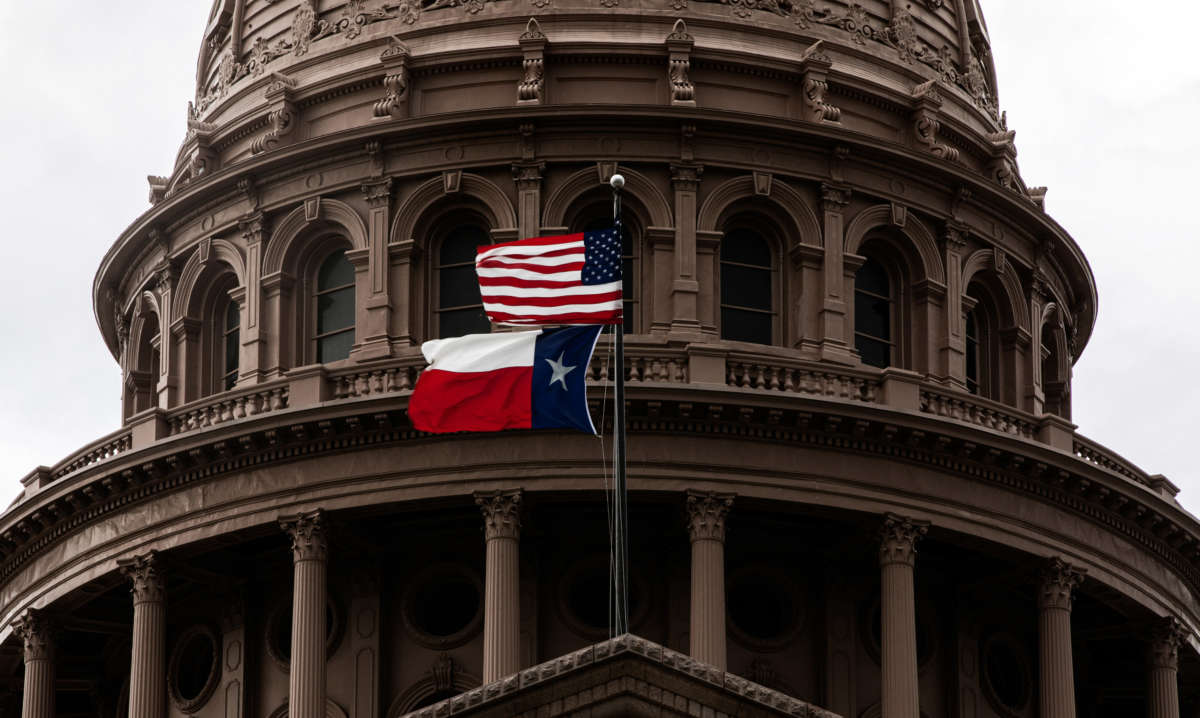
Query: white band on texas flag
(516, 380)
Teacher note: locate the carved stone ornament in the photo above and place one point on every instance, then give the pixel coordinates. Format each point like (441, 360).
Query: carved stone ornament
(706, 515)
(281, 118)
(834, 198)
(926, 125)
(679, 44)
(501, 513)
(145, 574)
(898, 539)
(1167, 636)
(1059, 580)
(442, 672)
(533, 43)
(377, 193)
(395, 82)
(814, 101)
(36, 632)
(308, 532)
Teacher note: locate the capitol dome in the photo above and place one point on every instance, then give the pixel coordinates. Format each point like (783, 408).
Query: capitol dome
(850, 325)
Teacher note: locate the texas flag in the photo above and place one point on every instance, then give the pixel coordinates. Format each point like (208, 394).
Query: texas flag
(515, 380)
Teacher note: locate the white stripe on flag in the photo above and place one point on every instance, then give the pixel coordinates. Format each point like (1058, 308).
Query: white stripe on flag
(481, 352)
(543, 261)
(511, 273)
(581, 290)
(557, 309)
(527, 250)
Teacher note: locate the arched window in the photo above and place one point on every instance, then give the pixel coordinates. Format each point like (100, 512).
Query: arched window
(231, 344)
(873, 310)
(973, 357)
(629, 269)
(747, 287)
(459, 306)
(334, 308)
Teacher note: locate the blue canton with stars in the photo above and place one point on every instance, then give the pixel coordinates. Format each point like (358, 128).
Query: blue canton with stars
(601, 256)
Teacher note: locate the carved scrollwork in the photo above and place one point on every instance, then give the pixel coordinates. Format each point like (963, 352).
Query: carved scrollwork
(395, 82)
(706, 514)
(145, 576)
(898, 539)
(282, 116)
(679, 44)
(533, 43)
(309, 535)
(1059, 580)
(501, 513)
(36, 632)
(926, 125)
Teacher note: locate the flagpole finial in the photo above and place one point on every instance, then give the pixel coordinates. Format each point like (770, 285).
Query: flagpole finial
(617, 182)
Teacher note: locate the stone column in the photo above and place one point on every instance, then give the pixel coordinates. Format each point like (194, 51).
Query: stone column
(706, 529)
(898, 650)
(306, 686)
(1056, 670)
(37, 638)
(1164, 668)
(502, 596)
(148, 665)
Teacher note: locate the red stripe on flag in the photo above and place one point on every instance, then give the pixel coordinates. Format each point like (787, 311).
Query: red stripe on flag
(446, 401)
(611, 316)
(517, 253)
(566, 298)
(534, 242)
(543, 268)
(527, 283)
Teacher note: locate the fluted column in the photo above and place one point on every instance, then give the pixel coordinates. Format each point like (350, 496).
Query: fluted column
(310, 549)
(37, 639)
(898, 616)
(148, 665)
(706, 529)
(502, 598)
(1166, 638)
(1055, 664)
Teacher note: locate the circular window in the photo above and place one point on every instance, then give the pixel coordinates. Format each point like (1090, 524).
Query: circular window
(872, 637)
(279, 631)
(1006, 675)
(193, 671)
(443, 606)
(764, 608)
(583, 596)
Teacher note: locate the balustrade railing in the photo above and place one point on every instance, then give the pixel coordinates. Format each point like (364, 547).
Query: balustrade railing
(100, 450)
(978, 411)
(1105, 458)
(227, 407)
(658, 366)
(795, 379)
(373, 382)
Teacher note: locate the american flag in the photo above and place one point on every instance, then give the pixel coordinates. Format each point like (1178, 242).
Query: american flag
(569, 279)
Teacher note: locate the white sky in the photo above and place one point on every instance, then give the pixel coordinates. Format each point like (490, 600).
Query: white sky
(1103, 100)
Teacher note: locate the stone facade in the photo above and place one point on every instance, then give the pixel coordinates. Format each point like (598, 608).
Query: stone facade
(814, 529)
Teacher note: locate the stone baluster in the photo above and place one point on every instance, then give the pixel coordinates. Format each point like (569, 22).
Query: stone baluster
(310, 550)
(502, 599)
(148, 664)
(1163, 696)
(898, 616)
(1057, 674)
(37, 638)
(706, 529)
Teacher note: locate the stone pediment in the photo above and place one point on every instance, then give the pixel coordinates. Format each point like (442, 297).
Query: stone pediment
(624, 676)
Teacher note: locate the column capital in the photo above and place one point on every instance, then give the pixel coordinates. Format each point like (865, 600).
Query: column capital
(145, 573)
(377, 192)
(1166, 636)
(898, 539)
(36, 631)
(253, 227)
(955, 235)
(834, 197)
(1059, 580)
(528, 175)
(686, 175)
(501, 513)
(309, 535)
(706, 515)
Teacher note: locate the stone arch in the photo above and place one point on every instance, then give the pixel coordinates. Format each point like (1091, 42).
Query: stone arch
(332, 710)
(808, 229)
(219, 251)
(284, 237)
(985, 260)
(407, 700)
(434, 190)
(922, 239)
(636, 184)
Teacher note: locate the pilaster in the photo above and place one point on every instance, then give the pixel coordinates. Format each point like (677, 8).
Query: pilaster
(377, 192)
(253, 353)
(685, 287)
(835, 344)
(951, 367)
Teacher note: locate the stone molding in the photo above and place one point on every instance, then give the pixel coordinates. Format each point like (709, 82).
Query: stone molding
(706, 515)
(1059, 581)
(308, 532)
(145, 574)
(501, 513)
(898, 539)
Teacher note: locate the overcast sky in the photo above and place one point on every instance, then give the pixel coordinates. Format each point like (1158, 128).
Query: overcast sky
(1103, 100)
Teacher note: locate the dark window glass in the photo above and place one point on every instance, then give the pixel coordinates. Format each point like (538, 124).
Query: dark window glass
(232, 345)
(972, 353)
(460, 308)
(873, 314)
(747, 291)
(335, 308)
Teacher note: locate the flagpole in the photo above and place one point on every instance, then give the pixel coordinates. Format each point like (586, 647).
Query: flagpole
(620, 538)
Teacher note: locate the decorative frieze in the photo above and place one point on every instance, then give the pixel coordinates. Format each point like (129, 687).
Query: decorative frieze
(308, 533)
(501, 513)
(706, 513)
(898, 539)
(1059, 580)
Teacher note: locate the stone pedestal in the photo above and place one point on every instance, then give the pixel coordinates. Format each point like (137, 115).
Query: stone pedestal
(148, 665)
(706, 529)
(1056, 668)
(37, 639)
(898, 619)
(306, 687)
(502, 598)
(1163, 693)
